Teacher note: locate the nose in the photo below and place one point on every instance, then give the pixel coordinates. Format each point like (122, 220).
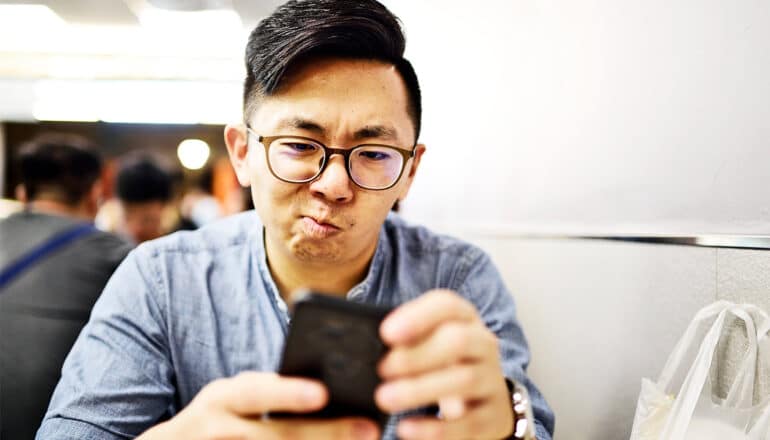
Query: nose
(334, 183)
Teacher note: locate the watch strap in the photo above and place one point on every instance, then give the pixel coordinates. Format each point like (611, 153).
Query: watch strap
(523, 421)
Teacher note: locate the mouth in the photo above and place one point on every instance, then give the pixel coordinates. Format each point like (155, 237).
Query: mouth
(319, 227)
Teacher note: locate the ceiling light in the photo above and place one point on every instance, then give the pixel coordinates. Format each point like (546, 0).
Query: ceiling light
(193, 153)
(14, 17)
(153, 102)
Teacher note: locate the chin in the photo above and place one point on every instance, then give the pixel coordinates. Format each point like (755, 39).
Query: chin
(314, 252)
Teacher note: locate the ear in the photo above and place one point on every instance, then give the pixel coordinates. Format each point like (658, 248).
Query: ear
(93, 200)
(96, 195)
(419, 150)
(236, 139)
(20, 192)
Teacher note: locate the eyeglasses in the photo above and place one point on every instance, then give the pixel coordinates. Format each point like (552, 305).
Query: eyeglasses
(297, 159)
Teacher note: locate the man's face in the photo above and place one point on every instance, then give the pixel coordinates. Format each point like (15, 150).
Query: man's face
(143, 221)
(341, 103)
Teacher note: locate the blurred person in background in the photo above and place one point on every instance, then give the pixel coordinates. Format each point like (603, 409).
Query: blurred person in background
(198, 205)
(8, 207)
(143, 190)
(53, 266)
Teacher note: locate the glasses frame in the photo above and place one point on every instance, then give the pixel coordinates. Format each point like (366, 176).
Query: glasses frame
(266, 141)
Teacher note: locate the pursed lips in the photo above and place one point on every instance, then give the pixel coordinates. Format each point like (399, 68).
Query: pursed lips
(319, 227)
(323, 221)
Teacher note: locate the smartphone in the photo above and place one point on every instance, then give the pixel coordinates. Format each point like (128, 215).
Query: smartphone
(338, 343)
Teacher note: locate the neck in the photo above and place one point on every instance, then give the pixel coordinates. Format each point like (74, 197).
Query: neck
(291, 274)
(59, 208)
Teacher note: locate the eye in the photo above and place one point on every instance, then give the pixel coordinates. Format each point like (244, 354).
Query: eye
(300, 147)
(374, 155)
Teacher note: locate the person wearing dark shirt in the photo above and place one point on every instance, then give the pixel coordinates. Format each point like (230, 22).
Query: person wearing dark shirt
(53, 266)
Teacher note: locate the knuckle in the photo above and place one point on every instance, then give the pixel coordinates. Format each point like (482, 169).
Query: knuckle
(213, 429)
(286, 432)
(439, 431)
(212, 389)
(399, 361)
(459, 339)
(406, 389)
(476, 427)
(291, 434)
(445, 296)
(347, 429)
(245, 375)
(467, 378)
(489, 339)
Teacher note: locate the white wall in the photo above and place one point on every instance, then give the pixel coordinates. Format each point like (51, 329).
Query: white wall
(593, 116)
(598, 117)
(601, 315)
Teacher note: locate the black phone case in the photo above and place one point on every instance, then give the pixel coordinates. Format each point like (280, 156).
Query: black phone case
(337, 342)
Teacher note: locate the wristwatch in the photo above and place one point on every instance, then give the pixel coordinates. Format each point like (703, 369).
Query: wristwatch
(523, 421)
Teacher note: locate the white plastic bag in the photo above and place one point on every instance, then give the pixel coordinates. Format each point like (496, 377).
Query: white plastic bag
(681, 405)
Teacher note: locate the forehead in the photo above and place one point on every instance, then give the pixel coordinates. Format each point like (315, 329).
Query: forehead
(339, 95)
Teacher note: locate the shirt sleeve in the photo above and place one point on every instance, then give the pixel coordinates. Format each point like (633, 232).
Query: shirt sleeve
(117, 380)
(484, 287)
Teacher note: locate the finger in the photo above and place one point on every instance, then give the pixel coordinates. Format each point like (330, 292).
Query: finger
(479, 422)
(452, 408)
(417, 428)
(347, 428)
(450, 343)
(418, 317)
(465, 381)
(253, 393)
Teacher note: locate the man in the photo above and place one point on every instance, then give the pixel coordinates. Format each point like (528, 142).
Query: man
(53, 266)
(143, 190)
(187, 334)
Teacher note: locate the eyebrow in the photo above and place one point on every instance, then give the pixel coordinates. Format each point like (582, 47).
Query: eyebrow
(375, 131)
(366, 132)
(302, 124)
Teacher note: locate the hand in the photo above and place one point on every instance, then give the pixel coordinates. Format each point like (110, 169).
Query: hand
(232, 408)
(441, 352)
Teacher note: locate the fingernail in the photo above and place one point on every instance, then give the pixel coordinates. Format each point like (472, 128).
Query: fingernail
(312, 394)
(387, 394)
(389, 328)
(364, 430)
(452, 408)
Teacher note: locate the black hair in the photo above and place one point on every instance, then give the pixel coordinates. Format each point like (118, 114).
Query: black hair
(59, 166)
(304, 29)
(141, 179)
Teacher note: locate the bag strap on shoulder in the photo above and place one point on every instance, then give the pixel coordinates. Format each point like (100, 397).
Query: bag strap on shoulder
(44, 249)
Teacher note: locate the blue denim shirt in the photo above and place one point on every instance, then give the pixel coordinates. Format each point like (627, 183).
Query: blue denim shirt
(192, 307)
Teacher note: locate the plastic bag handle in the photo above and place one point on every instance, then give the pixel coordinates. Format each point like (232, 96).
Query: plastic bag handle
(741, 393)
(675, 360)
(692, 387)
(741, 390)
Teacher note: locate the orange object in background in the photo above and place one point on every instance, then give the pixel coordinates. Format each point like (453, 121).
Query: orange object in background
(225, 187)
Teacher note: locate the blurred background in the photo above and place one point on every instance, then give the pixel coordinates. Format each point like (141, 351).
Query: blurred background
(546, 116)
(544, 119)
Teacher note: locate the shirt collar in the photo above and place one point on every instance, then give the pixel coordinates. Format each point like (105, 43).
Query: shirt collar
(361, 292)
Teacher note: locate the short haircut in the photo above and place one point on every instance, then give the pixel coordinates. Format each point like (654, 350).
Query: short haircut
(142, 179)
(59, 166)
(304, 29)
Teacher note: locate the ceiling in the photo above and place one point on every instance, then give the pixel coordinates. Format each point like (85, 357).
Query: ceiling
(99, 59)
(122, 12)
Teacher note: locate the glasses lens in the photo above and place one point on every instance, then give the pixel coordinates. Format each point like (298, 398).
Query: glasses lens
(375, 167)
(295, 159)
